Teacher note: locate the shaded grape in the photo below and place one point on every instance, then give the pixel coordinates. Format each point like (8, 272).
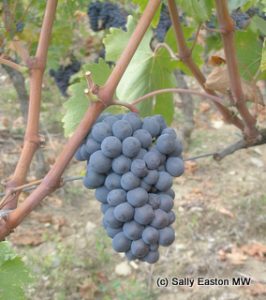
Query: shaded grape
(124, 212)
(133, 120)
(116, 197)
(150, 235)
(167, 236)
(144, 137)
(99, 162)
(144, 214)
(111, 146)
(122, 129)
(100, 131)
(164, 182)
(121, 243)
(110, 220)
(129, 181)
(133, 230)
(160, 219)
(101, 194)
(112, 181)
(121, 164)
(131, 146)
(152, 257)
(139, 248)
(137, 197)
(138, 167)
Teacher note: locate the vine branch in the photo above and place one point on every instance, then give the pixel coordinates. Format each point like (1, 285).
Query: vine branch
(227, 33)
(105, 94)
(185, 56)
(11, 64)
(31, 138)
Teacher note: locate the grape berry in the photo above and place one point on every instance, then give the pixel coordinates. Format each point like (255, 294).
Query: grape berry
(131, 164)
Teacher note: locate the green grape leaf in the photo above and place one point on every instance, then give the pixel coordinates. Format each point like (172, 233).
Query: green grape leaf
(199, 10)
(78, 102)
(146, 72)
(14, 276)
(258, 24)
(142, 4)
(263, 57)
(234, 4)
(249, 49)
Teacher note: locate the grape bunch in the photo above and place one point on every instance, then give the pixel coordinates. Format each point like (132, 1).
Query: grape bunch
(131, 164)
(104, 15)
(164, 24)
(63, 74)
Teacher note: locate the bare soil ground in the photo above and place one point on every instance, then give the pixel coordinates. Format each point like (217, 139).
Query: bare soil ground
(220, 230)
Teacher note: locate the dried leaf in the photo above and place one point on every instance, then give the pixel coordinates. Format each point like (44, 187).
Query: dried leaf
(27, 237)
(218, 80)
(191, 167)
(226, 212)
(255, 249)
(235, 256)
(88, 289)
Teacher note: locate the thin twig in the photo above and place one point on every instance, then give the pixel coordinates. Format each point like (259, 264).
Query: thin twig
(215, 99)
(227, 33)
(12, 65)
(131, 107)
(173, 55)
(196, 38)
(185, 55)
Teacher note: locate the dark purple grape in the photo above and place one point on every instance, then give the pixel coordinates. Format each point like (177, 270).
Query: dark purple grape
(124, 212)
(166, 144)
(152, 126)
(129, 181)
(130, 256)
(116, 197)
(160, 219)
(144, 137)
(169, 131)
(152, 177)
(99, 162)
(110, 219)
(145, 186)
(161, 121)
(133, 120)
(93, 179)
(154, 200)
(100, 131)
(133, 230)
(171, 193)
(152, 257)
(138, 167)
(111, 232)
(110, 120)
(141, 153)
(111, 146)
(175, 166)
(122, 129)
(164, 182)
(112, 181)
(121, 164)
(104, 207)
(167, 236)
(137, 197)
(121, 243)
(139, 248)
(152, 159)
(171, 217)
(144, 214)
(150, 235)
(166, 202)
(92, 146)
(131, 146)
(101, 194)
